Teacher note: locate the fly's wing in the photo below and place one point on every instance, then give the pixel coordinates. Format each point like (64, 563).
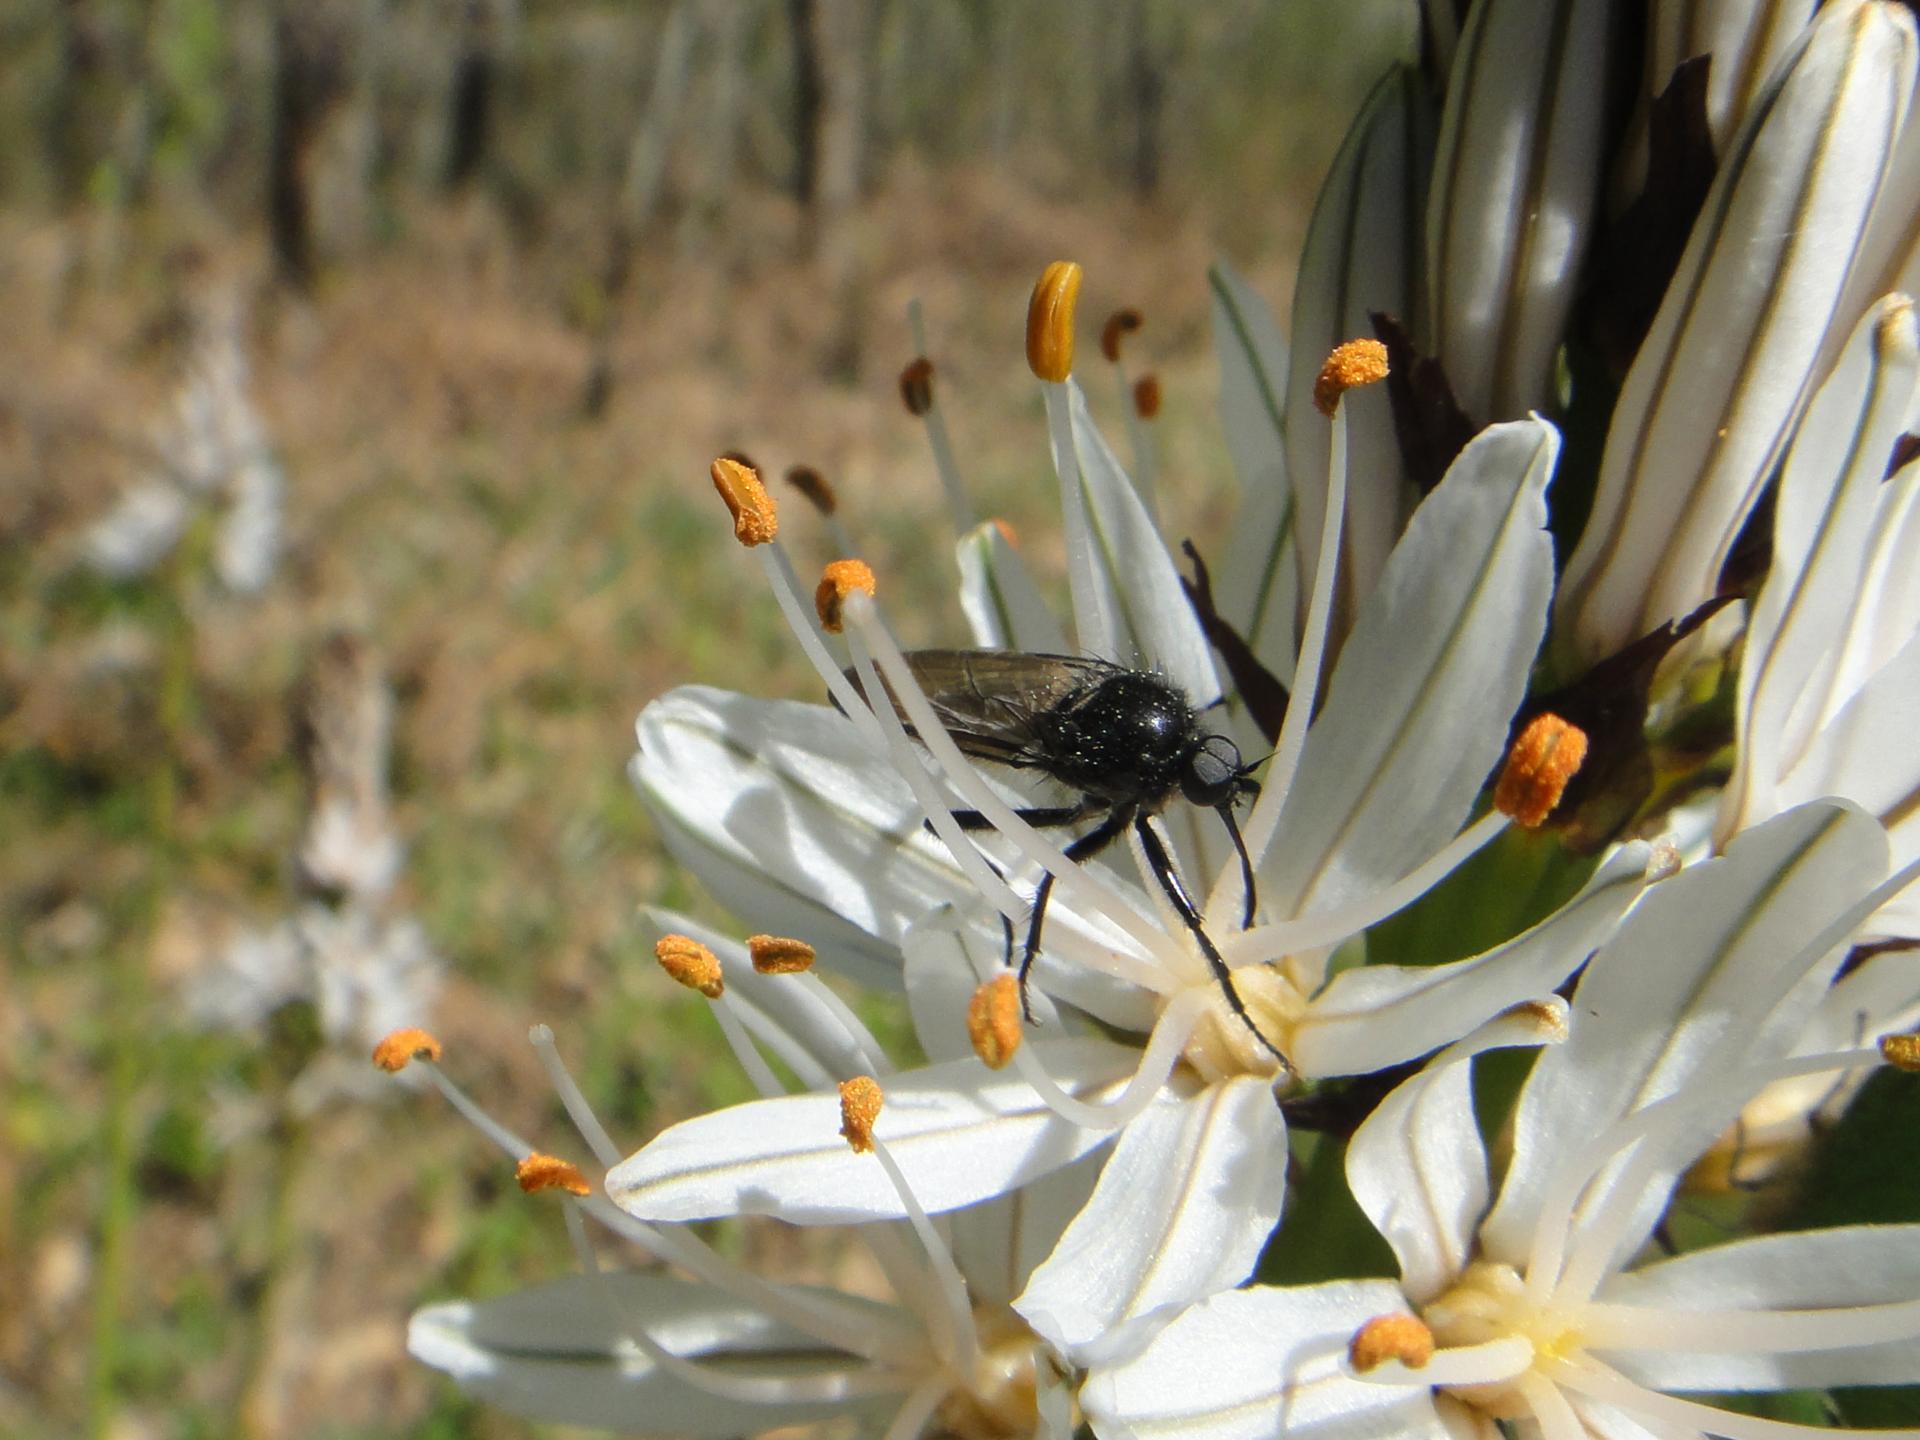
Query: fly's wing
(988, 700)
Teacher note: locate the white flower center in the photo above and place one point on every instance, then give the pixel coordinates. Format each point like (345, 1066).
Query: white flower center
(1223, 1044)
(1490, 1304)
(999, 1399)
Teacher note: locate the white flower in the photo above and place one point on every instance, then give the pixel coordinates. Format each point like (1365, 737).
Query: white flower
(812, 821)
(1532, 1307)
(727, 1352)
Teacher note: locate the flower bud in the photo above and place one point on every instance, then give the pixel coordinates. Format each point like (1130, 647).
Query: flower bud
(1511, 211)
(1714, 394)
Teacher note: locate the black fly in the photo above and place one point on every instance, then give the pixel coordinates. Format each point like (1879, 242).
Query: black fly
(1128, 741)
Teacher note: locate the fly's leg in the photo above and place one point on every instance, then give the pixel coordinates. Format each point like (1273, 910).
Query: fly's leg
(1161, 863)
(1084, 848)
(1039, 816)
(1246, 864)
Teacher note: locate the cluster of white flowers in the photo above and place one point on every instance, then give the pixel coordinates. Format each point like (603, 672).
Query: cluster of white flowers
(1077, 1209)
(210, 453)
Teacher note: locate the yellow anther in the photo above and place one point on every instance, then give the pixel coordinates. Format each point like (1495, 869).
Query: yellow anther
(399, 1049)
(1539, 765)
(1050, 321)
(1901, 1051)
(814, 486)
(993, 1020)
(860, 1101)
(1120, 324)
(1405, 1338)
(548, 1172)
(756, 518)
(839, 580)
(916, 385)
(1146, 397)
(691, 963)
(1357, 362)
(778, 955)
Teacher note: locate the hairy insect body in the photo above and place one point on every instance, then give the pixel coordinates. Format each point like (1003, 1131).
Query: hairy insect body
(1125, 740)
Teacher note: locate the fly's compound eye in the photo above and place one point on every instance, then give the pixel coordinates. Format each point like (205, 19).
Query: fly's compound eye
(1212, 774)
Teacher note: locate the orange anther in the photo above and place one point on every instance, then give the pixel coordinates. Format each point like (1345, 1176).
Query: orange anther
(1146, 397)
(1120, 324)
(1541, 762)
(993, 1020)
(1050, 321)
(756, 518)
(860, 1101)
(1405, 1338)
(916, 385)
(1357, 362)
(397, 1050)
(815, 487)
(1901, 1051)
(691, 963)
(778, 955)
(839, 580)
(548, 1172)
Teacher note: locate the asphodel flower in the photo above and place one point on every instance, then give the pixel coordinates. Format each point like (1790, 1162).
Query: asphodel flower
(1528, 1307)
(717, 1350)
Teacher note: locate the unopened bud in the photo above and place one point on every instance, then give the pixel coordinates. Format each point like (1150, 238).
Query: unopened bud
(691, 963)
(756, 518)
(1538, 768)
(993, 1020)
(916, 386)
(814, 486)
(1050, 321)
(1120, 324)
(778, 955)
(399, 1049)
(839, 580)
(860, 1101)
(1146, 397)
(548, 1172)
(1357, 362)
(1405, 1338)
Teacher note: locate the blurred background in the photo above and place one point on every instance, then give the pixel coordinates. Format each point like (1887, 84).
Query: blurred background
(360, 367)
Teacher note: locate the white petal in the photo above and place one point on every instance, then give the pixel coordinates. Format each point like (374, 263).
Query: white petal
(1711, 399)
(1002, 604)
(1606, 1422)
(558, 1353)
(1261, 1364)
(1361, 255)
(1142, 617)
(960, 1132)
(1417, 1166)
(1809, 1270)
(1419, 705)
(1827, 503)
(1373, 1016)
(1867, 754)
(1257, 585)
(1183, 1208)
(137, 533)
(1692, 982)
(1515, 184)
(780, 809)
(999, 1243)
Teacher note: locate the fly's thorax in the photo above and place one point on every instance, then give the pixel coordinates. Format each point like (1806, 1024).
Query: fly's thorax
(1125, 740)
(1222, 1047)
